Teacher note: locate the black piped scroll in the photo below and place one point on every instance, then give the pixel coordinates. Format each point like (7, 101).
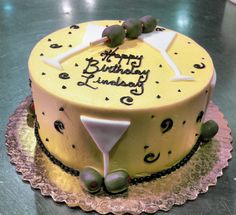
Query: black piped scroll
(199, 117)
(151, 157)
(74, 27)
(59, 126)
(64, 75)
(160, 29)
(127, 100)
(199, 66)
(166, 125)
(55, 46)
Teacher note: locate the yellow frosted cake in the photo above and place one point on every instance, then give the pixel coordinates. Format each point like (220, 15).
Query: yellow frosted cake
(136, 107)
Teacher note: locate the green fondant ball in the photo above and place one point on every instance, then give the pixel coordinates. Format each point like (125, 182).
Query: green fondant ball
(209, 130)
(133, 28)
(91, 180)
(116, 35)
(149, 23)
(117, 181)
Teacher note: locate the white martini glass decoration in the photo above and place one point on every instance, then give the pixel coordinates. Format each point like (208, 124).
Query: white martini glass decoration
(105, 133)
(162, 41)
(92, 33)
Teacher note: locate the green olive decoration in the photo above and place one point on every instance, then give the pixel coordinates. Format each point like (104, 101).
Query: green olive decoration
(117, 181)
(115, 34)
(133, 28)
(91, 180)
(208, 130)
(149, 23)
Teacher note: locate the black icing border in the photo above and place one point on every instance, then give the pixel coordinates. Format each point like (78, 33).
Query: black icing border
(133, 181)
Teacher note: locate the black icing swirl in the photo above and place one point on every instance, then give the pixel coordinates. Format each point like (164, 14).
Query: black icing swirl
(127, 100)
(59, 126)
(199, 66)
(64, 75)
(55, 46)
(74, 27)
(199, 117)
(160, 29)
(166, 125)
(151, 157)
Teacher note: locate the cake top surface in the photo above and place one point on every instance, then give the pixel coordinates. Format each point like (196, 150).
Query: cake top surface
(157, 69)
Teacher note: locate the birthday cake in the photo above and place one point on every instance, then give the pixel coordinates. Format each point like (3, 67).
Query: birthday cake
(128, 111)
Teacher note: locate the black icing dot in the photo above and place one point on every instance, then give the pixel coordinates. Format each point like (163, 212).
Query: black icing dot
(120, 21)
(107, 99)
(206, 91)
(49, 40)
(43, 73)
(189, 42)
(63, 87)
(183, 122)
(203, 58)
(179, 90)
(146, 147)
(43, 113)
(73, 146)
(69, 32)
(152, 116)
(192, 72)
(76, 64)
(176, 53)
(196, 134)
(157, 82)
(61, 109)
(41, 54)
(158, 96)
(47, 139)
(107, 25)
(169, 152)
(160, 65)
(70, 45)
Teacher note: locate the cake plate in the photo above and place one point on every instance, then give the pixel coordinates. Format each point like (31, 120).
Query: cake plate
(184, 184)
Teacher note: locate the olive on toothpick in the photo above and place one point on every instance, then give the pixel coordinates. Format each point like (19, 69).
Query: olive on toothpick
(115, 35)
(149, 23)
(133, 28)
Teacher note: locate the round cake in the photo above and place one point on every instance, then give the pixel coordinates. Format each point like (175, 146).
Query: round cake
(136, 107)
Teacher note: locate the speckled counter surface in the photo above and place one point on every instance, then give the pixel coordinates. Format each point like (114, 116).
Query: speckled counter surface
(23, 23)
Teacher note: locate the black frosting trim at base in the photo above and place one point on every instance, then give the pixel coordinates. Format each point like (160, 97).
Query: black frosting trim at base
(138, 180)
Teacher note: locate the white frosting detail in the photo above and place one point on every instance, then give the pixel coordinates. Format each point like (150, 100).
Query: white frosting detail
(161, 41)
(105, 133)
(92, 33)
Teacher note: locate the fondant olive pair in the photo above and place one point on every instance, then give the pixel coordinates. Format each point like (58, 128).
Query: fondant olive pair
(115, 182)
(131, 29)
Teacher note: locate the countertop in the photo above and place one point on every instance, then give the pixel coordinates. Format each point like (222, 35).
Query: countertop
(22, 23)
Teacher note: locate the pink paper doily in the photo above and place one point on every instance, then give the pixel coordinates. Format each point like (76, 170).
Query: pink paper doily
(184, 184)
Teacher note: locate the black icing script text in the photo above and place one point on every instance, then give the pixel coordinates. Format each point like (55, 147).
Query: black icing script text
(92, 74)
